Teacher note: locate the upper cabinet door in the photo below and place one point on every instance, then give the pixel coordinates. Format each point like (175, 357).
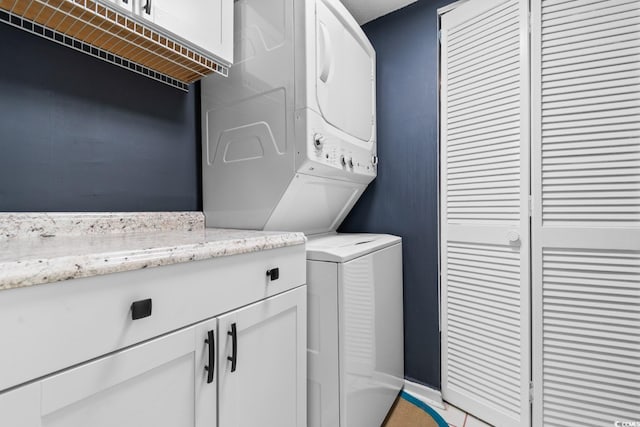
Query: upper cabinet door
(262, 369)
(205, 24)
(151, 384)
(124, 4)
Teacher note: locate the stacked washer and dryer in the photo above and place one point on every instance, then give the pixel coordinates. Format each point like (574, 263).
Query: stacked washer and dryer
(289, 143)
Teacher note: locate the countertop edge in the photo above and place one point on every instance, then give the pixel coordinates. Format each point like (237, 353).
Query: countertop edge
(53, 270)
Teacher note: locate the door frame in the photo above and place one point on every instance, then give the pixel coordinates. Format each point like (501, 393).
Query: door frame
(535, 60)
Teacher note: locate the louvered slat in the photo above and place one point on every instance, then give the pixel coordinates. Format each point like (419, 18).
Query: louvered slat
(359, 319)
(591, 326)
(484, 59)
(484, 316)
(590, 102)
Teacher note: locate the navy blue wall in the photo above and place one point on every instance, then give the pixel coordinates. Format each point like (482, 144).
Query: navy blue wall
(78, 134)
(403, 198)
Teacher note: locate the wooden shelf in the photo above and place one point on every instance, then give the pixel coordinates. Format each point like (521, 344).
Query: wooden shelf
(108, 30)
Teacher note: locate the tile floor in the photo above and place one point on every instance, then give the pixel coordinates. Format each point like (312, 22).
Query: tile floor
(458, 418)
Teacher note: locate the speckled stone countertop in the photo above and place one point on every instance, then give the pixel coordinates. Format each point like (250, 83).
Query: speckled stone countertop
(45, 248)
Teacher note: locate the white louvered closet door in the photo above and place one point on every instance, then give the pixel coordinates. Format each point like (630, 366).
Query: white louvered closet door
(586, 216)
(484, 210)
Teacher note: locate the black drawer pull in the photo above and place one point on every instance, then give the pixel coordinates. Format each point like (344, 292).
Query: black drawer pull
(210, 368)
(147, 7)
(141, 309)
(234, 347)
(274, 274)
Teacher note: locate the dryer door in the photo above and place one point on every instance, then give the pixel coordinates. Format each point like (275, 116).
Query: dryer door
(345, 72)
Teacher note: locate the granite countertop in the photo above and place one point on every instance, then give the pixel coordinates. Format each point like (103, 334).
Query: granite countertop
(46, 248)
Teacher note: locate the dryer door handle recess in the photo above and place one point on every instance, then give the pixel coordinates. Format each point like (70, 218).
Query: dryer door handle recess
(326, 53)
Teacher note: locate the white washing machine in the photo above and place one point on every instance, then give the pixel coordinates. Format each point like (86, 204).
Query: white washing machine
(289, 138)
(355, 353)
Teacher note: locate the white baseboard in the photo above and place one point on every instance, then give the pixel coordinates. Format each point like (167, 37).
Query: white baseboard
(428, 395)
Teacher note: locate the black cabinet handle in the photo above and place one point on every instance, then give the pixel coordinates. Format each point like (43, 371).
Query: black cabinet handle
(234, 347)
(141, 309)
(274, 274)
(210, 368)
(147, 7)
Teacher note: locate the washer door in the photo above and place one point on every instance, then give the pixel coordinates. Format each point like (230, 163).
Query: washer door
(345, 72)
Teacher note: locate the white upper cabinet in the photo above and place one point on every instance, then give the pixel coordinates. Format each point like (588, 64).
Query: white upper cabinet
(124, 4)
(205, 24)
(175, 42)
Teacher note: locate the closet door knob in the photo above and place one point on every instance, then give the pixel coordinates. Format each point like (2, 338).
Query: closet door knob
(514, 237)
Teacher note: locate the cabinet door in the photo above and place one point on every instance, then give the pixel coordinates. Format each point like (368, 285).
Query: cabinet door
(151, 384)
(207, 24)
(267, 384)
(124, 4)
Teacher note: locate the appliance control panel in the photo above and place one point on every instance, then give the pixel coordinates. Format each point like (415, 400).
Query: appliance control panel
(341, 155)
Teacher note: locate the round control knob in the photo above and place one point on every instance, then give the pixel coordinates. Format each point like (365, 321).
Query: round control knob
(318, 140)
(343, 161)
(350, 162)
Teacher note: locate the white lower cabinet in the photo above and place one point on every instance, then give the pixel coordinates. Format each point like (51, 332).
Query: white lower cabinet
(198, 375)
(262, 368)
(151, 384)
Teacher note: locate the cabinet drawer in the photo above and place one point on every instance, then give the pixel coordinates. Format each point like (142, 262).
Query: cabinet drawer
(51, 327)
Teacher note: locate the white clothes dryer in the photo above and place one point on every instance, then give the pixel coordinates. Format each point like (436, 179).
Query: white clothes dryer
(289, 138)
(355, 355)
